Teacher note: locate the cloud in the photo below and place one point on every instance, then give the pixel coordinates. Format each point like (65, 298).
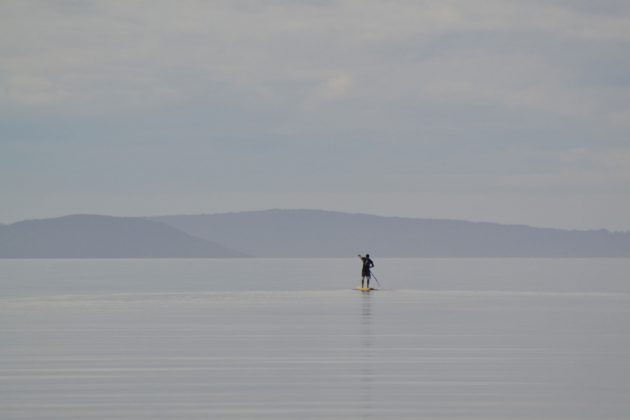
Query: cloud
(31, 90)
(334, 88)
(384, 65)
(439, 94)
(113, 55)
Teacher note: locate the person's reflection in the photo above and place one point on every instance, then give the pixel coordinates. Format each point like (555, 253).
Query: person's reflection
(366, 355)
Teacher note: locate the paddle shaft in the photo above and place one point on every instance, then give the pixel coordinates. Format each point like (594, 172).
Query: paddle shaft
(377, 282)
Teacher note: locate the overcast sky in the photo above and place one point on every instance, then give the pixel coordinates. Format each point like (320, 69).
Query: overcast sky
(504, 111)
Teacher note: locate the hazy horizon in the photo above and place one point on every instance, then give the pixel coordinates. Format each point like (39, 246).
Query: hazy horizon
(503, 111)
(296, 233)
(156, 216)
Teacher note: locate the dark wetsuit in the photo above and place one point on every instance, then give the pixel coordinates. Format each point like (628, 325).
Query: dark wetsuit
(365, 271)
(367, 264)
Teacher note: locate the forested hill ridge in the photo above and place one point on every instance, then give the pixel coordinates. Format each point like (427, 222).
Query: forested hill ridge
(91, 236)
(295, 233)
(318, 233)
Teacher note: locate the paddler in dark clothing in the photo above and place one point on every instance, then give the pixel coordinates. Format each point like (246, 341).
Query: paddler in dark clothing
(366, 275)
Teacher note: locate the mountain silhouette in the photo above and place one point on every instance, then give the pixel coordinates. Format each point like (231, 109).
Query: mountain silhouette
(317, 233)
(295, 233)
(91, 236)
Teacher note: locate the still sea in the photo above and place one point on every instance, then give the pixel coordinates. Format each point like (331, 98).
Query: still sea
(291, 339)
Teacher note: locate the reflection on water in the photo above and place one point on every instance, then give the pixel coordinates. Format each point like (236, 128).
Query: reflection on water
(366, 351)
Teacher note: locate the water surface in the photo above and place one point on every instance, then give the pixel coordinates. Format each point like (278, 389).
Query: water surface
(192, 339)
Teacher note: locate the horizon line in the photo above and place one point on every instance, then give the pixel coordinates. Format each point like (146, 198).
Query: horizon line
(323, 211)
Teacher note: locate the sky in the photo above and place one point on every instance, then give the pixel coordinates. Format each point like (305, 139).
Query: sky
(503, 111)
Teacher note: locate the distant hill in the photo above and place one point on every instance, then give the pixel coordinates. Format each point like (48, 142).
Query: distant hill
(315, 233)
(89, 236)
(295, 233)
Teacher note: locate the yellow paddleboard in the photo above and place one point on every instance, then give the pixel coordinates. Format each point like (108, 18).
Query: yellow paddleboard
(364, 289)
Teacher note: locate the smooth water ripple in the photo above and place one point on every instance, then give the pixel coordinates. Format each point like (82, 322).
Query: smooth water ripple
(556, 353)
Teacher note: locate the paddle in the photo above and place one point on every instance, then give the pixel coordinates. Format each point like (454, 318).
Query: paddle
(377, 282)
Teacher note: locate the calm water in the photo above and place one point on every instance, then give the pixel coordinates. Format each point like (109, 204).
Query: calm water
(215, 339)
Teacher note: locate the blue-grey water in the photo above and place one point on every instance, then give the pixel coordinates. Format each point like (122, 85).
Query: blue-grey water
(289, 338)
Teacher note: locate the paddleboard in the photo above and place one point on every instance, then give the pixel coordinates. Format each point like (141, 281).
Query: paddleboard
(364, 289)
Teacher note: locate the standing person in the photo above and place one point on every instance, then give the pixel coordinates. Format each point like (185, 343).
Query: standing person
(366, 275)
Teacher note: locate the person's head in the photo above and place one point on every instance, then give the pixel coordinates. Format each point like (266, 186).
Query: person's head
(367, 255)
